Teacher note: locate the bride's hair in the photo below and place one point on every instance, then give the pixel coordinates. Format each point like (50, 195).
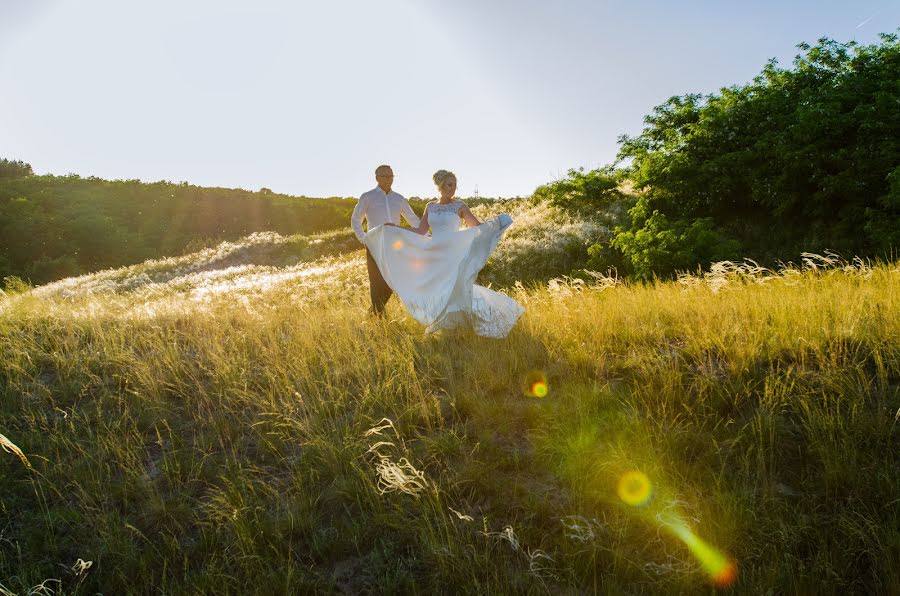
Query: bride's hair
(442, 175)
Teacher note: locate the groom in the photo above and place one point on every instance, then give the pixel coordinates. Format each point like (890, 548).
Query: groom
(379, 206)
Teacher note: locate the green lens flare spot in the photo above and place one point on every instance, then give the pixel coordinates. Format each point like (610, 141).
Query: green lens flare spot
(536, 384)
(635, 489)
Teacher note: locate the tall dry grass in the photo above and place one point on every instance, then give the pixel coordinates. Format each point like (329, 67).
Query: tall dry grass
(250, 428)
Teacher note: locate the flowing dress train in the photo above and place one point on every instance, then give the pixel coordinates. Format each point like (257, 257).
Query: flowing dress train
(434, 276)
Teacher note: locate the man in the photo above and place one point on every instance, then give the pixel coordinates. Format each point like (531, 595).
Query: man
(379, 206)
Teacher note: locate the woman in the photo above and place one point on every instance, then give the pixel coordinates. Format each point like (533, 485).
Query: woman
(434, 276)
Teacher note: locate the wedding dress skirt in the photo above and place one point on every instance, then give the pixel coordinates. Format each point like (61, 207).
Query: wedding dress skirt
(434, 276)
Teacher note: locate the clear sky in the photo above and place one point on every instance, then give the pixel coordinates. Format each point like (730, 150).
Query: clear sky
(308, 97)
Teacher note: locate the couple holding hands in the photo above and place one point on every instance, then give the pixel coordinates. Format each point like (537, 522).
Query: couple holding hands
(434, 276)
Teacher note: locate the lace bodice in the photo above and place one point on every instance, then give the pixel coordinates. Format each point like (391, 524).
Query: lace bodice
(444, 218)
(451, 206)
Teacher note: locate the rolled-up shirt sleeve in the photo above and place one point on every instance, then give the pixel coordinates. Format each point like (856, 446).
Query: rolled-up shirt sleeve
(409, 215)
(359, 212)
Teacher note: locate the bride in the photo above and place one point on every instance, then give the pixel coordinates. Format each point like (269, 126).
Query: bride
(434, 276)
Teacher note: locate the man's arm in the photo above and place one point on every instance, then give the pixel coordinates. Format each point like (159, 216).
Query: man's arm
(409, 215)
(359, 212)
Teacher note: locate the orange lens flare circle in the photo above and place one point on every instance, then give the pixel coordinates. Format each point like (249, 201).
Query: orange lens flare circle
(635, 489)
(726, 576)
(536, 384)
(721, 569)
(398, 244)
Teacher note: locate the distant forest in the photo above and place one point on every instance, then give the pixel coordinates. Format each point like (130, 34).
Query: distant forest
(58, 226)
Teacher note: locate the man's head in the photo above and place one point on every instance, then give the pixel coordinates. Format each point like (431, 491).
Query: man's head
(384, 176)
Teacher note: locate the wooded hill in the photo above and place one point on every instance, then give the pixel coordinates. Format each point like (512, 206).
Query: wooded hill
(58, 226)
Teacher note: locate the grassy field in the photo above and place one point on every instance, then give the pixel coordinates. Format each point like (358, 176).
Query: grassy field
(233, 422)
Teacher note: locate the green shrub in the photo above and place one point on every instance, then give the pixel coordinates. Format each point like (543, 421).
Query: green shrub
(591, 194)
(15, 285)
(656, 245)
(545, 241)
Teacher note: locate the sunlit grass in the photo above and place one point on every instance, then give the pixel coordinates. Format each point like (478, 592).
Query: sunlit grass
(245, 423)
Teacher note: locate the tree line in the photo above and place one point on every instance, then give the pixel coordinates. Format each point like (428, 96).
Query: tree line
(805, 158)
(58, 226)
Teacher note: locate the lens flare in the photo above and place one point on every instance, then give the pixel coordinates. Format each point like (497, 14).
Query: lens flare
(726, 576)
(635, 488)
(720, 568)
(398, 244)
(536, 384)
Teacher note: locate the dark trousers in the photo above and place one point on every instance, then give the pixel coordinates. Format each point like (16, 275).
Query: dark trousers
(378, 288)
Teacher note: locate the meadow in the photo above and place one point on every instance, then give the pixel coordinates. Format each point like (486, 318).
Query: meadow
(232, 421)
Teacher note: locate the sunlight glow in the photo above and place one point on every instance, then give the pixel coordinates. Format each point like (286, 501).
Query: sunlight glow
(398, 244)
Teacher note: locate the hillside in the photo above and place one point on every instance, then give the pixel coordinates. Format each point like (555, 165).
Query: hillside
(54, 227)
(232, 418)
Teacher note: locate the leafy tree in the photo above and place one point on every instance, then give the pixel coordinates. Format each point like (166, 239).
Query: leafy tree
(590, 193)
(802, 158)
(886, 230)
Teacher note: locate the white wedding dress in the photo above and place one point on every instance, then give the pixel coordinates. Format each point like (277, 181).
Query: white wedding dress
(434, 276)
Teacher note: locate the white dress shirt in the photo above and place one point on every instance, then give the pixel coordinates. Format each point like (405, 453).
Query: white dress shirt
(378, 207)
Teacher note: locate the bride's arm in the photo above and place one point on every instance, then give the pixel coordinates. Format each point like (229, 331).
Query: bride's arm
(423, 223)
(471, 220)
